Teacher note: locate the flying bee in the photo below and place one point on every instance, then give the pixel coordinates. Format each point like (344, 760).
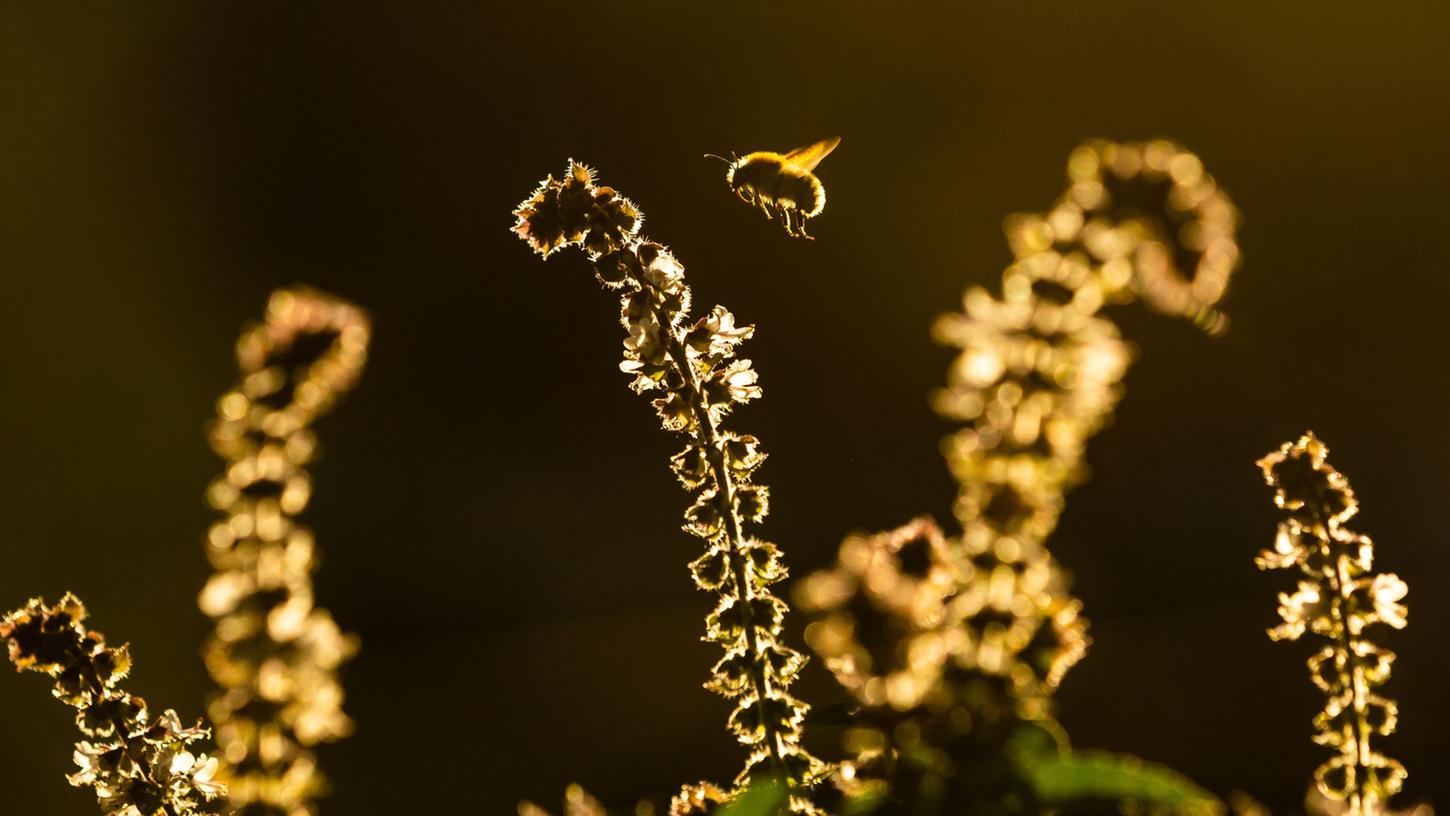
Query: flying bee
(782, 184)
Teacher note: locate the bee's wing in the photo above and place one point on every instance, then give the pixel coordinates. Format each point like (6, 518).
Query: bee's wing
(807, 157)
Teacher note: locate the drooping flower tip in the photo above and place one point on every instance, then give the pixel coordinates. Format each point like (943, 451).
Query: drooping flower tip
(538, 219)
(574, 211)
(51, 638)
(1305, 484)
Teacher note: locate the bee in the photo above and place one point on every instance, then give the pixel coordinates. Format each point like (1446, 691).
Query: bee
(782, 184)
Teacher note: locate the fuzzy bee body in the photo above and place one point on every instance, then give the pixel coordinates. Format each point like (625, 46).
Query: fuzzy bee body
(783, 184)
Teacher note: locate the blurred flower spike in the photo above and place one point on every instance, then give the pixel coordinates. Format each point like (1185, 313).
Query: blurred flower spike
(273, 654)
(577, 802)
(950, 656)
(1039, 371)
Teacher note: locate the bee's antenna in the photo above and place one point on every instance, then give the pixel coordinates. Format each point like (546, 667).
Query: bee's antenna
(721, 158)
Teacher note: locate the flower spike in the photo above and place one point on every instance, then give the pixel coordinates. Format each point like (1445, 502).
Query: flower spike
(1339, 599)
(138, 764)
(690, 370)
(979, 639)
(273, 654)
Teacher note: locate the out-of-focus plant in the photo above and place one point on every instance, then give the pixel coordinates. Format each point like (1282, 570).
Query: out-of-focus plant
(273, 653)
(1317, 804)
(690, 369)
(138, 764)
(1339, 598)
(953, 665)
(577, 802)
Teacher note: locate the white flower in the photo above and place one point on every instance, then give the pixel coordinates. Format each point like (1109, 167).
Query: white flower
(182, 762)
(87, 756)
(741, 379)
(1287, 550)
(1298, 610)
(1386, 591)
(664, 272)
(203, 777)
(717, 334)
(644, 342)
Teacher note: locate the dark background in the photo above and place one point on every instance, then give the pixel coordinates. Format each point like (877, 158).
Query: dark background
(500, 525)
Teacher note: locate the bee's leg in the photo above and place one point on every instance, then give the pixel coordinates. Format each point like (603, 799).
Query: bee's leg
(800, 226)
(788, 215)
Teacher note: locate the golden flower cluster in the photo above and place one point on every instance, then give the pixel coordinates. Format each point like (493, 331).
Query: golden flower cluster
(139, 765)
(1339, 598)
(690, 369)
(273, 653)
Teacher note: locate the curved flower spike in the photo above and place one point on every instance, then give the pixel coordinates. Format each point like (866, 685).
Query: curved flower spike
(1339, 600)
(947, 676)
(1039, 372)
(689, 367)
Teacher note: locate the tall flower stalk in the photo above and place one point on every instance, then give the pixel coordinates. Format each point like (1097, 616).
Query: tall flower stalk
(138, 764)
(273, 654)
(691, 370)
(979, 638)
(1339, 598)
(1039, 373)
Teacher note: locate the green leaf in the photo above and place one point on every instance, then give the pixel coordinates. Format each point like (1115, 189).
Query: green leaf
(1032, 743)
(1098, 775)
(765, 797)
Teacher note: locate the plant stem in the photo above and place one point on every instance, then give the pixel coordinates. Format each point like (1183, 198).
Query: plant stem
(707, 435)
(1336, 571)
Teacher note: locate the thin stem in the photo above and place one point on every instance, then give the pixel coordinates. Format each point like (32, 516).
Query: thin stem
(1336, 572)
(707, 436)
